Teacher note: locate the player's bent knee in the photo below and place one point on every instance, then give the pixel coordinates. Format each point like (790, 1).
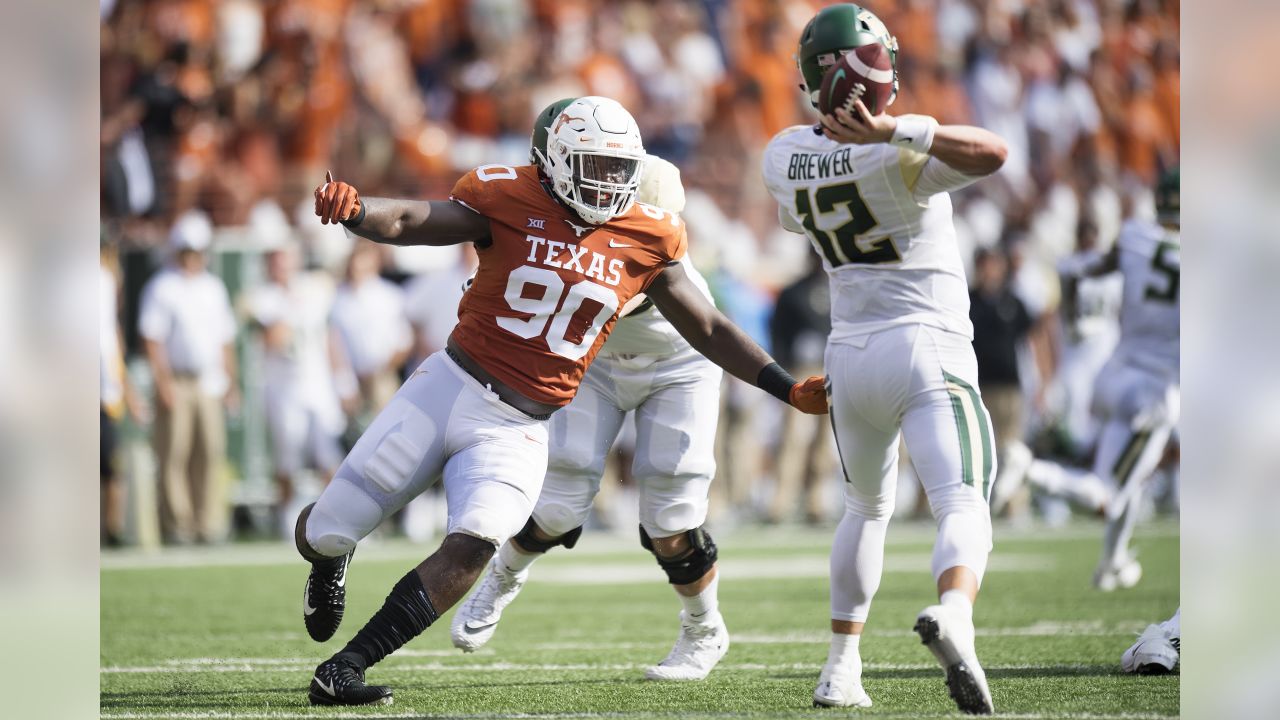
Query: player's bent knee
(867, 506)
(467, 551)
(964, 538)
(528, 539)
(556, 519)
(342, 516)
(307, 552)
(678, 517)
(689, 566)
(958, 498)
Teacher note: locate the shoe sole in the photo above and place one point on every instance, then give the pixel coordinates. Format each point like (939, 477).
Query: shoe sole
(662, 678)
(318, 699)
(834, 706)
(963, 685)
(324, 632)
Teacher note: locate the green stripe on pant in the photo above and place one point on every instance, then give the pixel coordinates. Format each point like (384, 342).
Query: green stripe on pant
(969, 411)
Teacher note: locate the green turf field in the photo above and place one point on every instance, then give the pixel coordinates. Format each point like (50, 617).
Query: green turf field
(218, 633)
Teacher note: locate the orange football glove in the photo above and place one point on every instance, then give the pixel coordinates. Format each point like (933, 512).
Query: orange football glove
(810, 396)
(336, 201)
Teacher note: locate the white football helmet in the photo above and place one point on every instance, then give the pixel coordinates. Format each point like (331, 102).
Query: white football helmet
(594, 154)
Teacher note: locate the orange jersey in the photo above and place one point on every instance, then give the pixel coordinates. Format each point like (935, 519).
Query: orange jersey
(549, 285)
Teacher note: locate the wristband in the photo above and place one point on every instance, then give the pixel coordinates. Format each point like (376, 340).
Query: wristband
(776, 381)
(914, 132)
(355, 221)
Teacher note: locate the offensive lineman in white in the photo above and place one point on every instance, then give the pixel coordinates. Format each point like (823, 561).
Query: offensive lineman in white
(645, 367)
(871, 194)
(1136, 397)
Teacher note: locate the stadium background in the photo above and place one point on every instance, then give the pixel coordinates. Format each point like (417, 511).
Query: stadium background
(235, 109)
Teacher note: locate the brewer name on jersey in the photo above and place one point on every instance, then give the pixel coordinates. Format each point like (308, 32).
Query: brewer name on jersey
(819, 166)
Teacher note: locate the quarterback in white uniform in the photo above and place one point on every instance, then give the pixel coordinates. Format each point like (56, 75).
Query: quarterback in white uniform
(871, 194)
(645, 367)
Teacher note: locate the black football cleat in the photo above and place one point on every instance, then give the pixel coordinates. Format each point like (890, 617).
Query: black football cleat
(950, 637)
(339, 681)
(325, 597)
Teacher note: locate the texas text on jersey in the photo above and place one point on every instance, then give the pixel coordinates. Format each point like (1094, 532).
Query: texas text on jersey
(550, 283)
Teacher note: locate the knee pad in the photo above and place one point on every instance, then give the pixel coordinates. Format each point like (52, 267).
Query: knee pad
(527, 540)
(691, 566)
(342, 516)
(964, 535)
(674, 517)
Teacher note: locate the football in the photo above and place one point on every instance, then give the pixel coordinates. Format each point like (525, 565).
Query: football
(865, 72)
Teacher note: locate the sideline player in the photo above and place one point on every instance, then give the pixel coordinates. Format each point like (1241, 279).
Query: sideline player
(645, 367)
(899, 359)
(558, 258)
(1136, 396)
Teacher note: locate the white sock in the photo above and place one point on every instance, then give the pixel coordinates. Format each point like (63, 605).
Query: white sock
(843, 655)
(958, 601)
(702, 608)
(513, 560)
(1173, 626)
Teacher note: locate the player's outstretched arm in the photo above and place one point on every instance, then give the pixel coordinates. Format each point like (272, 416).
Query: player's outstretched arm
(970, 150)
(723, 343)
(398, 222)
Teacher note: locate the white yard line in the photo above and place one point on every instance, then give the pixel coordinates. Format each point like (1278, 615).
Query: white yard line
(402, 715)
(584, 570)
(209, 665)
(599, 543)
(274, 664)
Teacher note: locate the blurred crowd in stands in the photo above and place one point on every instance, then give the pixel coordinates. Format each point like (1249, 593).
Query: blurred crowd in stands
(243, 323)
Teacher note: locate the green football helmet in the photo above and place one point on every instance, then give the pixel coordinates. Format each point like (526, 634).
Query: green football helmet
(1168, 205)
(831, 33)
(541, 124)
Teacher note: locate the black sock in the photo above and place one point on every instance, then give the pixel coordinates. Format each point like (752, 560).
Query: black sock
(405, 614)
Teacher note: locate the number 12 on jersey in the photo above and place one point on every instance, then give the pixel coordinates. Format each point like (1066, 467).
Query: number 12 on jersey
(840, 245)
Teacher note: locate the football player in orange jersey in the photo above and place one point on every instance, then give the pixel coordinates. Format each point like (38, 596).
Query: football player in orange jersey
(561, 248)
(647, 370)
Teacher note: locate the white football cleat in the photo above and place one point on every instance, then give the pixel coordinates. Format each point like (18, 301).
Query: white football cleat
(696, 652)
(477, 619)
(1124, 575)
(950, 637)
(1155, 653)
(839, 688)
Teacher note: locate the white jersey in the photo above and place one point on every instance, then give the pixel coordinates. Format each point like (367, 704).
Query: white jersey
(1095, 312)
(880, 217)
(647, 332)
(1149, 314)
(302, 369)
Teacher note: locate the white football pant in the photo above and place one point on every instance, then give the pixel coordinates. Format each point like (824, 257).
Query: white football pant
(921, 383)
(441, 422)
(1139, 409)
(676, 400)
(303, 433)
